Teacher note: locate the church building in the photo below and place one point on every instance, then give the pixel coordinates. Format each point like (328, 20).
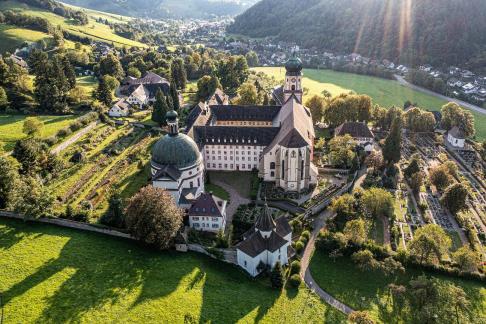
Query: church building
(275, 140)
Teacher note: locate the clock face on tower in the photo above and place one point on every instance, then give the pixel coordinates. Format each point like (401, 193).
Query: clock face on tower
(293, 80)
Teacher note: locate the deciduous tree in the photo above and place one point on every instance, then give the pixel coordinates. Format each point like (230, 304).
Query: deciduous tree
(430, 243)
(392, 147)
(32, 126)
(153, 217)
(467, 259)
(454, 198)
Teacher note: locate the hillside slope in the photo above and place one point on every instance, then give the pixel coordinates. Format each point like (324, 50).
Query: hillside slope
(12, 36)
(167, 8)
(439, 32)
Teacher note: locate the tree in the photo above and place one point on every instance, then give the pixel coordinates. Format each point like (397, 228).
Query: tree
(32, 126)
(430, 243)
(467, 259)
(276, 276)
(454, 115)
(416, 181)
(414, 166)
(3, 98)
(110, 65)
(365, 260)
(355, 231)
(114, 216)
(417, 120)
(360, 317)
(392, 147)
(248, 94)
(178, 74)
(317, 106)
(104, 93)
(175, 96)
(391, 267)
(342, 151)
(206, 86)
(454, 198)
(439, 177)
(32, 199)
(375, 160)
(160, 108)
(232, 72)
(378, 202)
(134, 72)
(28, 152)
(9, 181)
(344, 207)
(69, 73)
(111, 82)
(252, 59)
(153, 217)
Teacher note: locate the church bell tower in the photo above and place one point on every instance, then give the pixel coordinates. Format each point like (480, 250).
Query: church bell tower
(293, 78)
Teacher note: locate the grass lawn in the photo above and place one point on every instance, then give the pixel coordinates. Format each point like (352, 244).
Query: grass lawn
(93, 29)
(217, 191)
(384, 92)
(12, 37)
(456, 241)
(240, 181)
(363, 290)
(377, 231)
(88, 83)
(11, 128)
(52, 274)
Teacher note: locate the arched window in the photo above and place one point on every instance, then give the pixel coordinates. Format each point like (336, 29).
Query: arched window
(293, 87)
(272, 165)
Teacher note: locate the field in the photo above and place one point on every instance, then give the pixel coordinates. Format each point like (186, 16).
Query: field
(364, 290)
(384, 92)
(11, 128)
(93, 29)
(12, 37)
(51, 274)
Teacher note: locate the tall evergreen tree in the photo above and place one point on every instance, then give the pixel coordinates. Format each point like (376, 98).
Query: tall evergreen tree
(69, 73)
(103, 93)
(276, 276)
(175, 96)
(170, 103)
(178, 73)
(3, 71)
(160, 108)
(391, 150)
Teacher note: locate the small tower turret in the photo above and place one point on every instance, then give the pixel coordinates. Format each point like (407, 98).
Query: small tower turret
(293, 78)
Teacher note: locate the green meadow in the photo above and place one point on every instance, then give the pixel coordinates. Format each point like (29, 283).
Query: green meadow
(56, 275)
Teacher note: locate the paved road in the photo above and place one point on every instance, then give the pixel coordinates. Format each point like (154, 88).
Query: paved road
(305, 273)
(61, 147)
(478, 109)
(236, 200)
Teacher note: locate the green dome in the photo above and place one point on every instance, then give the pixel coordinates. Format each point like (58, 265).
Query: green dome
(177, 150)
(294, 65)
(171, 115)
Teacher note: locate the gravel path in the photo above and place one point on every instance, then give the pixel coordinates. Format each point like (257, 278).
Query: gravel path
(61, 147)
(236, 200)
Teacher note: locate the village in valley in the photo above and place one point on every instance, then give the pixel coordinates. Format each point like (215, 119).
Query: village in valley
(190, 175)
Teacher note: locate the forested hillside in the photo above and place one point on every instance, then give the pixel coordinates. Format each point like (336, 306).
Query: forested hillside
(167, 8)
(437, 32)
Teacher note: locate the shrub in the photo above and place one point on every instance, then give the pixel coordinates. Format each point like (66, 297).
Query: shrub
(63, 132)
(295, 280)
(303, 239)
(306, 234)
(299, 246)
(52, 140)
(295, 267)
(74, 126)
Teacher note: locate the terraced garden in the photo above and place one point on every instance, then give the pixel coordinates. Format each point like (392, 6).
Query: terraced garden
(56, 275)
(104, 158)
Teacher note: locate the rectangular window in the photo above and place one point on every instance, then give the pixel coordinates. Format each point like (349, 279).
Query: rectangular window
(195, 218)
(215, 226)
(215, 219)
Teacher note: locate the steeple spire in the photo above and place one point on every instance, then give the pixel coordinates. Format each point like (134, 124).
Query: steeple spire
(265, 221)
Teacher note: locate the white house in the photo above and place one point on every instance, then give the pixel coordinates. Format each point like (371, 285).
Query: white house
(208, 213)
(267, 242)
(120, 109)
(456, 137)
(139, 97)
(359, 132)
